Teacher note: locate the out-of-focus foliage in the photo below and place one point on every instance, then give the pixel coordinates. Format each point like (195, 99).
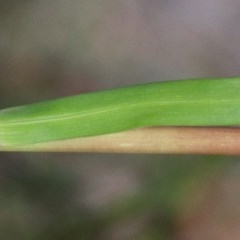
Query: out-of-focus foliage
(55, 48)
(41, 200)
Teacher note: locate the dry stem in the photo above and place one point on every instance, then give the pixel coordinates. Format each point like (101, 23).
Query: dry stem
(175, 140)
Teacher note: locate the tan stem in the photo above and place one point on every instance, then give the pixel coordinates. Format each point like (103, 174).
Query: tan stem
(175, 140)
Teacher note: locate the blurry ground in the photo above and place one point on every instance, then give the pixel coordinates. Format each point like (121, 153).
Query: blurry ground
(50, 49)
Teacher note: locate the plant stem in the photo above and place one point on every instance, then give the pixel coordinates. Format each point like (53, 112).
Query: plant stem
(166, 140)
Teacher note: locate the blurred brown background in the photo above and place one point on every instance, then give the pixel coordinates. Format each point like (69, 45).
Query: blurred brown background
(50, 49)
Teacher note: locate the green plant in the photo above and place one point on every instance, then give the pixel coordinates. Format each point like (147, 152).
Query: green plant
(195, 103)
